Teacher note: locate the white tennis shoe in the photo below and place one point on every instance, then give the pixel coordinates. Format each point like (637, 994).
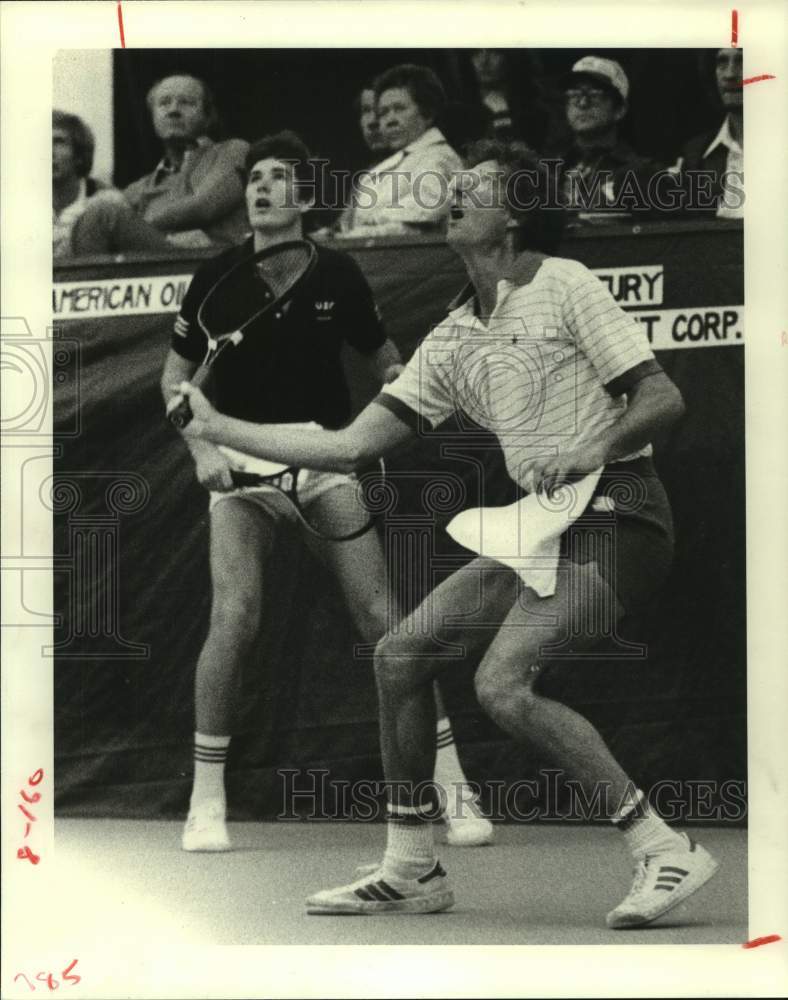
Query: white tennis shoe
(661, 882)
(382, 892)
(465, 825)
(205, 828)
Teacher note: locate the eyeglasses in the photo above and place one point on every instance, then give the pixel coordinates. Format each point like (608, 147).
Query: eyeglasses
(592, 96)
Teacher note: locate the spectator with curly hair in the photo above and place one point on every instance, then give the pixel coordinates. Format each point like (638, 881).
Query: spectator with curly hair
(89, 217)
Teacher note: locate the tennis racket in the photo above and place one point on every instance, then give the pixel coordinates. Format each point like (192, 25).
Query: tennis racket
(223, 315)
(345, 511)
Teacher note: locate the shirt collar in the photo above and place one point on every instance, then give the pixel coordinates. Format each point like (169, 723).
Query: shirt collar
(724, 138)
(462, 299)
(466, 299)
(432, 137)
(164, 166)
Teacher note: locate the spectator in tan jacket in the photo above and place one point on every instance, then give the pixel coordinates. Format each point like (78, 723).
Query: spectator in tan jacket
(196, 192)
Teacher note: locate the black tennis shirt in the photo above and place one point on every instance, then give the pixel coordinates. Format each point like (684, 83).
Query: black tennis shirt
(288, 367)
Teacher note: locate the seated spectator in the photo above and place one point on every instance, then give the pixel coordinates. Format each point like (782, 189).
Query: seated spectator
(719, 152)
(600, 171)
(410, 187)
(369, 126)
(503, 87)
(196, 193)
(369, 123)
(89, 217)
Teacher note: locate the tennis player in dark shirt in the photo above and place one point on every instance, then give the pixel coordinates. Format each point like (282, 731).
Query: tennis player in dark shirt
(287, 369)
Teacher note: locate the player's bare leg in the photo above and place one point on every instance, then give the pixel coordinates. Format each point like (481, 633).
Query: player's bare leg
(410, 878)
(241, 539)
(360, 567)
(668, 866)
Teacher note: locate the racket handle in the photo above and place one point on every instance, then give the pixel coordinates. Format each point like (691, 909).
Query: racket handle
(244, 478)
(181, 414)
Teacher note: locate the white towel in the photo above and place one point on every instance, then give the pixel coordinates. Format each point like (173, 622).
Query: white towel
(526, 535)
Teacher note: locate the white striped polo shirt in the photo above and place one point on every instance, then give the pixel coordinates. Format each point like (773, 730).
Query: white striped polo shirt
(540, 374)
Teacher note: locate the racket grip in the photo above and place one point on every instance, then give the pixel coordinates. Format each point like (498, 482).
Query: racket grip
(244, 478)
(181, 414)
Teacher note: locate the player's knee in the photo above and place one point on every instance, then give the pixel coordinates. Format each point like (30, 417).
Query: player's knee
(490, 691)
(372, 616)
(505, 694)
(235, 610)
(398, 667)
(389, 654)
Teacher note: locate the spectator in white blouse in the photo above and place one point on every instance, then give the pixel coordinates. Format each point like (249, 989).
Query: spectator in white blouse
(410, 187)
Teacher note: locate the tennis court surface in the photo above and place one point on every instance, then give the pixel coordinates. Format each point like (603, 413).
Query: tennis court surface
(549, 884)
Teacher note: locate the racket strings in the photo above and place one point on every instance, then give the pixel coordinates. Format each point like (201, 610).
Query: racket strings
(253, 288)
(280, 271)
(338, 513)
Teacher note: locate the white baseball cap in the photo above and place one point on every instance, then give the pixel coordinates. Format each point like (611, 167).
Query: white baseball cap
(606, 71)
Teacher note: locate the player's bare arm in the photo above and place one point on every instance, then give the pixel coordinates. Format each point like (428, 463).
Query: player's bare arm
(386, 363)
(217, 194)
(212, 468)
(654, 404)
(375, 432)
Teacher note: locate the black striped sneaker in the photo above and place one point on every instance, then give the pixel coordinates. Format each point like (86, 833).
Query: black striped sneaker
(383, 892)
(661, 882)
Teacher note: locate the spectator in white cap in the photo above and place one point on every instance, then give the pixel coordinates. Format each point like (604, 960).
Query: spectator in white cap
(600, 170)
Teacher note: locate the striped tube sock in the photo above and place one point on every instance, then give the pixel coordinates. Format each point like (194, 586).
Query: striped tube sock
(210, 756)
(410, 847)
(644, 831)
(448, 770)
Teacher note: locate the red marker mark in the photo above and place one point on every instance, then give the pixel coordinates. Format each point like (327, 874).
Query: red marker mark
(734, 28)
(757, 942)
(51, 981)
(120, 25)
(755, 79)
(75, 979)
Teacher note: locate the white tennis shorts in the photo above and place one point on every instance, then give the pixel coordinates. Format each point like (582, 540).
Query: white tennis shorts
(311, 482)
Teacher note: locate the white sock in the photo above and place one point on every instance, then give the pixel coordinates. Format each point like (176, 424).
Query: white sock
(448, 770)
(410, 846)
(210, 756)
(644, 831)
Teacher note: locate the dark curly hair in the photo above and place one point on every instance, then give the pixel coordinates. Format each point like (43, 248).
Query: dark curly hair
(82, 140)
(290, 148)
(530, 186)
(421, 83)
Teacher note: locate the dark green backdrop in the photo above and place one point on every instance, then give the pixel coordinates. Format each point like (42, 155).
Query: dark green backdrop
(135, 556)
